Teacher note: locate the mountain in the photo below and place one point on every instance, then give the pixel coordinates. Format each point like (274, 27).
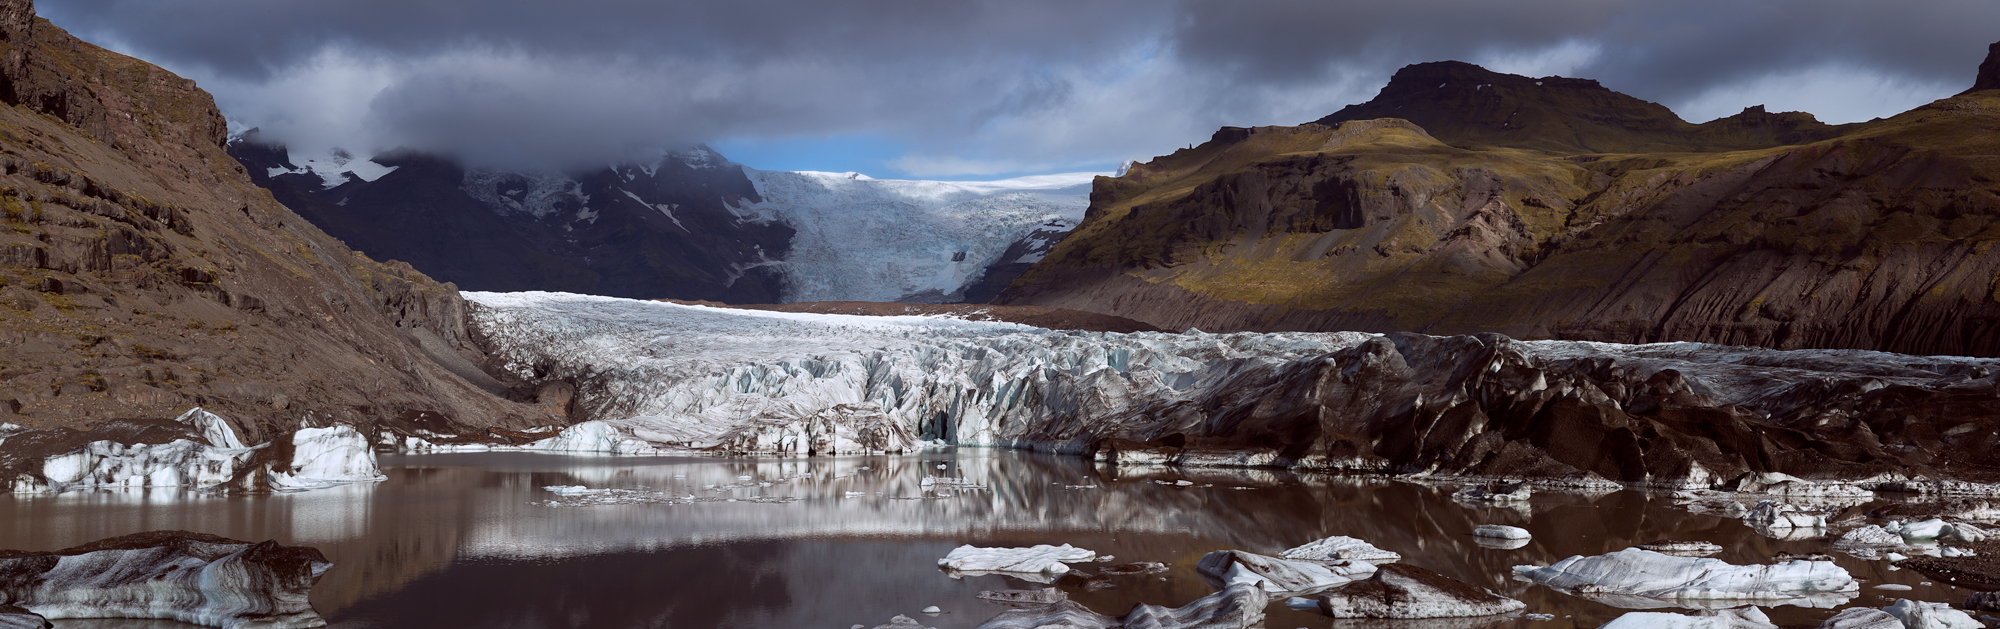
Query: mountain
(1467, 106)
(143, 273)
(688, 225)
(1589, 215)
(666, 228)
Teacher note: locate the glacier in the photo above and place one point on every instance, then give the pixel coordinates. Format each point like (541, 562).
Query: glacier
(865, 239)
(655, 377)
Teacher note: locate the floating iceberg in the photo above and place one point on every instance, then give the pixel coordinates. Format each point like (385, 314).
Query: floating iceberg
(1746, 618)
(1517, 492)
(1039, 559)
(324, 457)
(1921, 615)
(1340, 548)
(1399, 591)
(1682, 548)
(1776, 515)
(1230, 567)
(1646, 574)
(172, 575)
(1501, 532)
(1238, 606)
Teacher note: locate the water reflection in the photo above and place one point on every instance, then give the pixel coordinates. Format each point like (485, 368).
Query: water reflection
(473, 540)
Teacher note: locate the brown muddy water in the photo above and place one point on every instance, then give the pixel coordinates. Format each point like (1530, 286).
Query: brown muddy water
(473, 539)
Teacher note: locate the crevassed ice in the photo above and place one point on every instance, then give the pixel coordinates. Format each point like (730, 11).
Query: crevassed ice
(692, 376)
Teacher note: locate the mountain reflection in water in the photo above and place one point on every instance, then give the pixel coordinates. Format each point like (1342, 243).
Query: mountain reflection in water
(473, 540)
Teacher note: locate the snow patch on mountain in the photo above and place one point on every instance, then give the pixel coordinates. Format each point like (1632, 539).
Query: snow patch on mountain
(863, 239)
(337, 166)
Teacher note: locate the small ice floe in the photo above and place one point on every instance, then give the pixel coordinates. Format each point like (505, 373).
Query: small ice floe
(581, 496)
(1682, 548)
(1779, 516)
(1646, 574)
(1499, 531)
(1869, 542)
(1746, 618)
(1401, 591)
(1539, 616)
(1235, 607)
(573, 490)
(855, 494)
(1183, 483)
(1340, 548)
(1042, 596)
(1037, 560)
(932, 609)
(1892, 586)
(1279, 576)
(899, 621)
(1515, 492)
(945, 482)
(1134, 568)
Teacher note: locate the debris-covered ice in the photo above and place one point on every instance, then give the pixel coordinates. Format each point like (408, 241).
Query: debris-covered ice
(1340, 548)
(1400, 591)
(1230, 567)
(1701, 582)
(1238, 606)
(170, 575)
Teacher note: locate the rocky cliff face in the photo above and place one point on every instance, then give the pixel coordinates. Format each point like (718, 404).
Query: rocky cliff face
(1878, 237)
(1989, 71)
(142, 273)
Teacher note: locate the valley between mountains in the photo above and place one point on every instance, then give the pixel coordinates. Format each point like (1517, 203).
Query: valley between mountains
(1492, 284)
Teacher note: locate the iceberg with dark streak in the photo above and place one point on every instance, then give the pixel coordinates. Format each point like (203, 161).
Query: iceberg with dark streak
(171, 575)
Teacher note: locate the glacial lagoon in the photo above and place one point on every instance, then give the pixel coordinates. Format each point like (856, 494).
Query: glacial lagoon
(475, 539)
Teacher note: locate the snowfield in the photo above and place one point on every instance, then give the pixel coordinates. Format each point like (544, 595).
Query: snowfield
(863, 239)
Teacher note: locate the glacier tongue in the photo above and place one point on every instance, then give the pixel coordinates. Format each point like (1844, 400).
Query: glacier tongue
(862, 239)
(754, 381)
(669, 377)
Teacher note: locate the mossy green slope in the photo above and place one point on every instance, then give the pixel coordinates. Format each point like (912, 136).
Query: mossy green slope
(1615, 221)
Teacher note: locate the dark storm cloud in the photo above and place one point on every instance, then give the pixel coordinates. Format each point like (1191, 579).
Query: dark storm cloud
(1022, 82)
(1664, 51)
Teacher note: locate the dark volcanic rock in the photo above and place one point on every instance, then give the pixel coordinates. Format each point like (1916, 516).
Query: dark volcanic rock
(175, 575)
(1465, 105)
(142, 273)
(1989, 71)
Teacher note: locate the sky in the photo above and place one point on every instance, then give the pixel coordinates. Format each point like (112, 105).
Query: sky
(966, 89)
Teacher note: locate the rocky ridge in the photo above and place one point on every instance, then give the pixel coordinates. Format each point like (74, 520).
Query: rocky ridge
(1589, 215)
(142, 273)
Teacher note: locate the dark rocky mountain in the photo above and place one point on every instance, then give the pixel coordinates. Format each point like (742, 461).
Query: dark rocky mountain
(1878, 236)
(142, 272)
(667, 229)
(1467, 106)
